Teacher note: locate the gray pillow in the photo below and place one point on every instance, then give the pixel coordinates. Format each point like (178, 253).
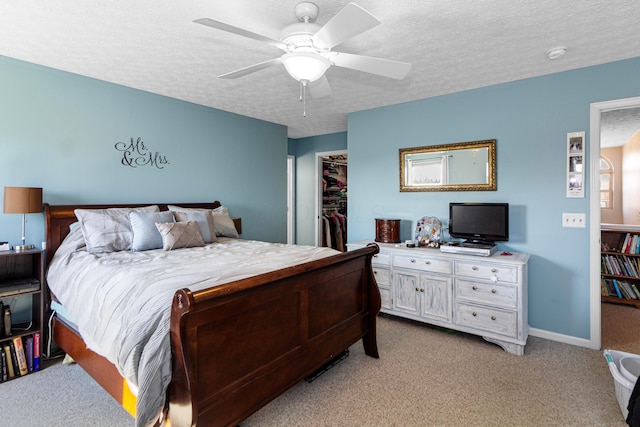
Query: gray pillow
(145, 233)
(108, 230)
(223, 223)
(177, 235)
(204, 220)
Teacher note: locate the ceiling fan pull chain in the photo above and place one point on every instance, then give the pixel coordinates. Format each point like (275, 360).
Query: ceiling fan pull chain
(303, 96)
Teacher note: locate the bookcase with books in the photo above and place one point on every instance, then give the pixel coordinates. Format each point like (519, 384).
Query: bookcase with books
(21, 283)
(620, 266)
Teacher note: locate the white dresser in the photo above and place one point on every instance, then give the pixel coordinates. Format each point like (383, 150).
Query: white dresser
(485, 296)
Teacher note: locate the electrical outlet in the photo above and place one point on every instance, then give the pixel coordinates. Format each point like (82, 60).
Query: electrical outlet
(574, 220)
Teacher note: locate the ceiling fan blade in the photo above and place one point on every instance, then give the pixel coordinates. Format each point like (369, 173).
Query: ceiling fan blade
(251, 69)
(382, 67)
(349, 22)
(320, 88)
(241, 32)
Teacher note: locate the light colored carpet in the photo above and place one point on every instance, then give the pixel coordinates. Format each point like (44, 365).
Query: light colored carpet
(424, 377)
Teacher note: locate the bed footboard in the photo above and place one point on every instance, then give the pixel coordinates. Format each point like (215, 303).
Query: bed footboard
(238, 346)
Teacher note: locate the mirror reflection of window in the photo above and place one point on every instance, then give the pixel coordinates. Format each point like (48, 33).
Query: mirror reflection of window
(464, 166)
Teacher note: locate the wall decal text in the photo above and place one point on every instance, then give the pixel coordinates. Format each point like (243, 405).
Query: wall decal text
(135, 153)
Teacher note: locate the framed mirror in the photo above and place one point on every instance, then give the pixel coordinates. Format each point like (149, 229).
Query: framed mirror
(463, 166)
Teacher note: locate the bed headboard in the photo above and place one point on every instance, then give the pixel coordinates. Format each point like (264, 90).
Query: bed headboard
(58, 218)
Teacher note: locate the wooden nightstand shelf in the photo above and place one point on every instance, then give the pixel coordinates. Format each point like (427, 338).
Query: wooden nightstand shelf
(22, 276)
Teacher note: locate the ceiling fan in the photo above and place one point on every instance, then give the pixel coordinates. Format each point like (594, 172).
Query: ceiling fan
(307, 48)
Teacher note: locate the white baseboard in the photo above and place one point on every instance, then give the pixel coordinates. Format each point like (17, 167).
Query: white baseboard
(553, 336)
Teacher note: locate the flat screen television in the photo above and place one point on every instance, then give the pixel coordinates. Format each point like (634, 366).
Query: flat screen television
(479, 223)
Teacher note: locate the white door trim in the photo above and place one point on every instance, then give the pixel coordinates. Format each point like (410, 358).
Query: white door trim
(291, 199)
(318, 184)
(597, 108)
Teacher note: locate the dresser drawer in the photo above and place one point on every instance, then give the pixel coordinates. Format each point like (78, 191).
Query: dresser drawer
(487, 293)
(433, 265)
(382, 276)
(494, 273)
(497, 321)
(381, 259)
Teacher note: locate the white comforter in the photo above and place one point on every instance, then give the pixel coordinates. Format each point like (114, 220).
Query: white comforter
(121, 301)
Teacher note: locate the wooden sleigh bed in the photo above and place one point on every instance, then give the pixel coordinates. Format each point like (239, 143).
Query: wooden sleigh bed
(229, 357)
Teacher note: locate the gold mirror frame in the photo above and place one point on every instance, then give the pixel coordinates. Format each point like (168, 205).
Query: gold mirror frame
(489, 144)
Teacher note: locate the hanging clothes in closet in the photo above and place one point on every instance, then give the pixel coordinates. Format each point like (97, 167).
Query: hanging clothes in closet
(334, 230)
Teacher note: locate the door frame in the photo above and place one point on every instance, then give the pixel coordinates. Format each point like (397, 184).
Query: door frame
(597, 108)
(291, 199)
(318, 184)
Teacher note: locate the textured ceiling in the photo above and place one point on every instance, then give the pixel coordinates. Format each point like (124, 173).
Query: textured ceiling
(618, 126)
(454, 45)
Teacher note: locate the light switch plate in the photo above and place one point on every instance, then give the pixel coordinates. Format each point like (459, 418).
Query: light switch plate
(574, 220)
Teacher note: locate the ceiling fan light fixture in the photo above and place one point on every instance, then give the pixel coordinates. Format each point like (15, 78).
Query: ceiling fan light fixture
(305, 65)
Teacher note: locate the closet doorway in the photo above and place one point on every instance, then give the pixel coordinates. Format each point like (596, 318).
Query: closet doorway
(331, 199)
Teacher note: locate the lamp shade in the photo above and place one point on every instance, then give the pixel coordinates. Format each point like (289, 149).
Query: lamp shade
(22, 200)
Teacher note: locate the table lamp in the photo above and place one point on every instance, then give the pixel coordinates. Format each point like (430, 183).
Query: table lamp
(22, 200)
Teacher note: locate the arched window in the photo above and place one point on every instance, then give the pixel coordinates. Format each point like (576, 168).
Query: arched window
(606, 184)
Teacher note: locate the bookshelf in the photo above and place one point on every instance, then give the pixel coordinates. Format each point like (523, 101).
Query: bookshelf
(21, 280)
(620, 266)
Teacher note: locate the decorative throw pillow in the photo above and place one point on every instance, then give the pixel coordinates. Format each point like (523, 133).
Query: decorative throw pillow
(108, 230)
(204, 218)
(145, 233)
(223, 223)
(178, 209)
(179, 235)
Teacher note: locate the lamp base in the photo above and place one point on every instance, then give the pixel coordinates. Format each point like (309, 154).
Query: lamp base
(20, 248)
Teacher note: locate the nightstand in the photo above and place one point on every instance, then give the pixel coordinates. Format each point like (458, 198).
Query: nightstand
(22, 277)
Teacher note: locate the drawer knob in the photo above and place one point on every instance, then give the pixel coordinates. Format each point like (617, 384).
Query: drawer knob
(427, 262)
(493, 317)
(413, 260)
(474, 314)
(375, 256)
(474, 287)
(417, 289)
(474, 268)
(493, 270)
(493, 291)
(375, 272)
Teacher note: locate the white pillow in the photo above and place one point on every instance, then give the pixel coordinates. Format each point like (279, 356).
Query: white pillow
(145, 233)
(108, 230)
(223, 223)
(177, 235)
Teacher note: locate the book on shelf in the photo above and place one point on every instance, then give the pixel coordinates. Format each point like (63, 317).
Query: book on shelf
(14, 359)
(36, 351)
(3, 365)
(7, 353)
(28, 349)
(630, 244)
(617, 288)
(21, 356)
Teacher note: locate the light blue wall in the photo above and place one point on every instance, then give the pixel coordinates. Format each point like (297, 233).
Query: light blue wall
(530, 120)
(305, 150)
(58, 131)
